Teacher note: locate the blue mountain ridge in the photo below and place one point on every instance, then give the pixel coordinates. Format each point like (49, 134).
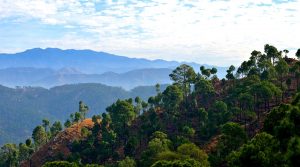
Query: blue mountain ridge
(53, 67)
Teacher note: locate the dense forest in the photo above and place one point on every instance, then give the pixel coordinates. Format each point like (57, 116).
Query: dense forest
(249, 118)
(23, 108)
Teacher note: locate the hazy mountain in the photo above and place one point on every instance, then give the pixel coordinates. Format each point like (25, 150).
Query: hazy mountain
(54, 67)
(24, 108)
(127, 80)
(86, 61)
(45, 77)
(23, 75)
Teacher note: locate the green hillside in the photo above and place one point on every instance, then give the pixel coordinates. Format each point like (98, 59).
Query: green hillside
(23, 108)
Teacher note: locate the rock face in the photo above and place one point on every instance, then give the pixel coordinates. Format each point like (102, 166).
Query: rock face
(58, 146)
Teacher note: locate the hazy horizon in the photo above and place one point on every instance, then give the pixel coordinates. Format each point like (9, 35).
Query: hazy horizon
(206, 32)
(153, 59)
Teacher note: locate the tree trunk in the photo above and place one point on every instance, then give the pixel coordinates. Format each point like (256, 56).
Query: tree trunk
(245, 122)
(297, 80)
(281, 82)
(258, 114)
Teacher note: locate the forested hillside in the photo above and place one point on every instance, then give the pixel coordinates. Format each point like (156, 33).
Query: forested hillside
(23, 108)
(249, 118)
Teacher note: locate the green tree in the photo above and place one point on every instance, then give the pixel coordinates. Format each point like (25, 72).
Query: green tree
(268, 72)
(204, 91)
(263, 92)
(159, 143)
(172, 97)
(96, 119)
(85, 132)
(293, 152)
(185, 153)
(218, 114)
(131, 145)
(9, 155)
(93, 165)
(157, 88)
(127, 162)
(205, 72)
(230, 71)
(72, 118)
(246, 107)
(243, 69)
(272, 52)
(254, 58)
(67, 123)
(138, 107)
(107, 137)
(46, 124)
(184, 76)
(28, 143)
(262, 150)
(275, 117)
(193, 152)
(83, 109)
(39, 136)
(232, 137)
(77, 117)
(122, 114)
(188, 131)
(298, 54)
(286, 52)
(295, 69)
(214, 70)
(25, 151)
(282, 69)
(55, 128)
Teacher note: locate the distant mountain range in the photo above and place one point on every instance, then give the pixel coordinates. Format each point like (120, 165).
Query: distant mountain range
(52, 67)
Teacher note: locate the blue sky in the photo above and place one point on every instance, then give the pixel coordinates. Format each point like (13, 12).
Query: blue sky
(205, 31)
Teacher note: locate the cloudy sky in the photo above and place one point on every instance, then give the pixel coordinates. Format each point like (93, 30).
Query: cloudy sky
(205, 31)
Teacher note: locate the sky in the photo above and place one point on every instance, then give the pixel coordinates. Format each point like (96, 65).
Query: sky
(204, 31)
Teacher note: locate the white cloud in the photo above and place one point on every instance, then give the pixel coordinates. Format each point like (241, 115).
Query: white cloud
(215, 32)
